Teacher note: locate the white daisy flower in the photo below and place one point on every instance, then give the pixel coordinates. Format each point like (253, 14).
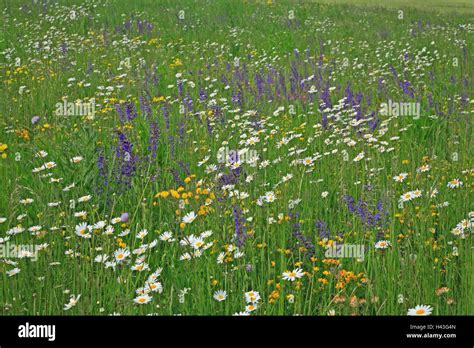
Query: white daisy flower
(382, 244)
(142, 299)
(220, 295)
(84, 198)
(270, 197)
(455, 183)
(400, 177)
(420, 310)
(252, 296)
(82, 230)
(189, 217)
(76, 159)
(121, 254)
(293, 275)
(13, 271)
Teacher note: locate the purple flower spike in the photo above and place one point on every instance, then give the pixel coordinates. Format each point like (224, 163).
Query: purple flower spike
(35, 119)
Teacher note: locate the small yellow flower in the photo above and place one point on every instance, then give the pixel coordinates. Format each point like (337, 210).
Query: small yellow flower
(158, 99)
(275, 294)
(163, 194)
(177, 62)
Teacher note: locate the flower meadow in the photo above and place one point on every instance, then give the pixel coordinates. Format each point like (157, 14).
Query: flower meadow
(235, 158)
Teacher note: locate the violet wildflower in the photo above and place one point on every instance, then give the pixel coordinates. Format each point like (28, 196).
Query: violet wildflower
(239, 224)
(124, 217)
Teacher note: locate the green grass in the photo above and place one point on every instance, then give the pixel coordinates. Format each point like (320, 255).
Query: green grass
(348, 45)
(463, 6)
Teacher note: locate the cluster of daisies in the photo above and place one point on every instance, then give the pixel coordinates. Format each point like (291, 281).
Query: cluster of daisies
(151, 285)
(464, 226)
(410, 195)
(251, 297)
(197, 244)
